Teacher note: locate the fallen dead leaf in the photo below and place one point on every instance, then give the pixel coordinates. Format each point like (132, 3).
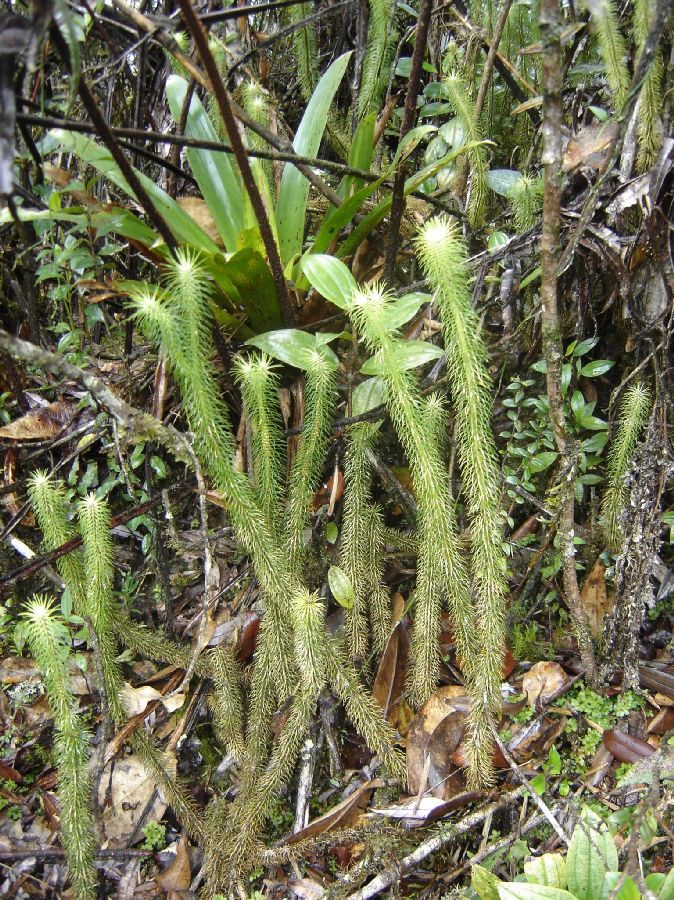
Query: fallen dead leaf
(595, 599)
(434, 735)
(626, 747)
(542, 681)
(198, 210)
(176, 878)
(340, 816)
(128, 788)
(136, 699)
(307, 889)
(588, 149)
(389, 682)
(40, 424)
(17, 670)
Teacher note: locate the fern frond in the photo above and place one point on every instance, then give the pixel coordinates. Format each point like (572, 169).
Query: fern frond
(634, 412)
(48, 639)
(306, 51)
(226, 699)
(444, 257)
(381, 39)
(650, 131)
(613, 49)
(258, 380)
(320, 396)
(464, 109)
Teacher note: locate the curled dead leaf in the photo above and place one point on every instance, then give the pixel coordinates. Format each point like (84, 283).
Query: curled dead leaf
(434, 735)
(40, 424)
(340, 816)
(176, 878)
(542, 682)
(626, 747)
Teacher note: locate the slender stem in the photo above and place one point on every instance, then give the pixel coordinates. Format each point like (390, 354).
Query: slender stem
(398, 201)
(110, 141)
(200, 36)
(491, 57)
(551, 26)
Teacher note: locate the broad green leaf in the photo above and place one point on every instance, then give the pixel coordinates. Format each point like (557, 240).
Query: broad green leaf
(501, 181)
(341, 587)
(596, 368)
(627, 891)
(484, 883)
(331, 278)
(655, 881)
(583, 347)
(522, 891)
(291, 207)
(406, 355)
(594, 423)
(667, 889)
(542, 461)
(183, 227)
(331, 532)
(360, 155)
(595, 443)
(549, 869)
(368, 395)
(218, 182)
(254, 286)
(400, 311)
(498, 239)
(369, 222)
(412, 140)
(577, 403)
(591, 855)
(293, 346)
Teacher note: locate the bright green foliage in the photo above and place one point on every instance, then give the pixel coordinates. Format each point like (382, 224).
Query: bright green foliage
(634, 411)
(443, 257)
(362, 543)
(613, 49)
(255, 101)
(94, 521)
(308, 616)
(464, 109)
(47, 496)
(306, 54)
(649, 132)
(257, 377)
(48, 639)
(380, 42)
(320, 396)
(226, 699)
(526, 198)
(440, 569)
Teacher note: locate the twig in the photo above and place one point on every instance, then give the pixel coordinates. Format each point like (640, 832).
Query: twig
(491, 57)
(540, 803)
(200, 36)
(398, 200)
(448, 834)
(551, 333)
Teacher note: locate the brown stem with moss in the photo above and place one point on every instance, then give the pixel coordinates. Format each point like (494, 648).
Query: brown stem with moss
(551, 26)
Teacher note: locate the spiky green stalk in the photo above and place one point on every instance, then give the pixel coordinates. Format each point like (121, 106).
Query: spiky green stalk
(381, 38)
(649, 131)
(48, 639)
(443, 257)
(634, 412)
(362, 546)
(47, 496)
(613, 49)
(306, 53)
(526, 199)
(308, 615)
(319, 401)
(441, 570)
(97, 556)
(259, 383)
(226, 699)
(464, 109)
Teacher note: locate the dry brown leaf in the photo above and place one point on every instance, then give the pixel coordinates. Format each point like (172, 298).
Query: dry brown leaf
(198, 210)
(663, 721)
(596, 602)
(136, 699)
(307, 889)
(626, 747)
(340, 816)
(16, 670)
(130, 789)
(434, 735)
(588, 149)
(40, 424)
(389, 682)
(176, 878)
(542, 681)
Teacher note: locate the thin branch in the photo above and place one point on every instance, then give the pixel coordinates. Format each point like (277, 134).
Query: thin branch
(398, 200)
(491, 57)
(200, 36)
